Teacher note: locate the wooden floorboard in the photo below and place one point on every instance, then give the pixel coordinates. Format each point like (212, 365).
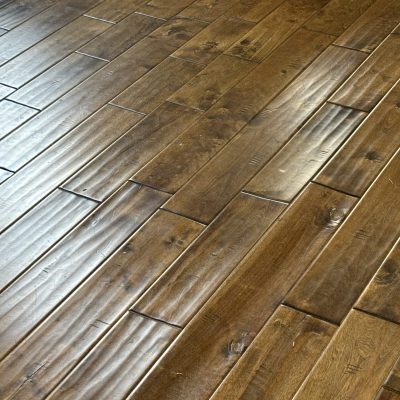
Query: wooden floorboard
(199, 199)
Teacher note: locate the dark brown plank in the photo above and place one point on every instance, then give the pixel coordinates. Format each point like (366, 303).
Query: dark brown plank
(32, 183)
(393, 380)
(95, 307)
(189, 282)
(189, 152)
(253, 10)
(297, 162)
(4, 174)
(206, 10)
(12, 115)
(364, 155)
(150, 91)
(212, 82)
(56, 81)
(114, 10)
(373, 79)
(372, 27)
(121, 36)
(279, 359)
(51, 124)
(356, 362)
(213, 40)
(224, 176)
(228, 322)
(338, 15)
(129, 153)
(51, 50)
(40, 229)
(5, 91)
(340, 273)
(164, 8)
(36, 293)
(276, 27)
(385, 394)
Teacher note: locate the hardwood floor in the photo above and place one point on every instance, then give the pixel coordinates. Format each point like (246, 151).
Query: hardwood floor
(200, 199)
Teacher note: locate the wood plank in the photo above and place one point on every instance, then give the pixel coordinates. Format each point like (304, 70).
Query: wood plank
(114, 10)
(5, 91)
(373, 79)
(393, 380)
(350, 361)
(364, 155)
(253, 10)
(150, 91)
(121, 36)
(228, 322)
(95, 307)
(385, 394)
(56, 81)
(372, 27)
(35, 181)
(298, 161)
(189, 152)
(356, 252)
(279, 359)
(196, 275)
(213, 40)
(208, 191)
(50, 51)
(206, 10)
(35, 294)
(4, 174)
(275, 28)
(133, 345)
(40, 228)
(131, 151)
(164, 8)
(338, 15)
(12, 115)
(38, 27)
(54, 122)
(212, 82)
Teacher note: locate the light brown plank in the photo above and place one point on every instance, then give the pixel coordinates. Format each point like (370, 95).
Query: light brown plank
(164, 8)
(297, 162)
(226, 174)
(356, 362)
(12, 115)
(364, 155)
(4, 174)
(373, 79)
(228, 322)
(385, 394)
(279, 359)
(206, 10)
(253, 10)
(129, 153)
(338, 276)
(114, 10)
(189, 152)
(194, 277)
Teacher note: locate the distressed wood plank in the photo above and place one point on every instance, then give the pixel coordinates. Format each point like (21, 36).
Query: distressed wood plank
(164, 8)
(206, 10)
(253, 10)
(114, 10)
(12, 115)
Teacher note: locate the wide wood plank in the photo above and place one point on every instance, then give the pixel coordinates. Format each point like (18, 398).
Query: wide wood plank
(253, 10)
(129, 153)
(12, 115)
(51, 50)
(38, 231)
(356, 362)
(212, 82)
(190, 281)
(385, 394)
(4, 174)
(213, 40)
(297, 162)
(338, 276)
(114, 10)
(188, 153)
(225, 175)
(121, 36)
(51, 124)
(279, 359)
(36, 293)
(206, 10)
(373, 79)
(164, 8)
(33, 182)
(150, 91)
(56, 81)
(364, 155)
(81, 321)
(214, 340)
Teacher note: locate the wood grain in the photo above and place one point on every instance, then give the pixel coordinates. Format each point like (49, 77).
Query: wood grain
(206, 10)
(164, 9)
(114, 10)
(12, 115)
(385, 394)
(393, 379)
(253, 10)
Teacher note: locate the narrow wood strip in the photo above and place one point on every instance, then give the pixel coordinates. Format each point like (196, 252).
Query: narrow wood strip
(194, 277)
(228, 322)
(34, 295)
(189, 152)
(279, 359)
(203, 197)
(393, 380)
(73, 329)
(349, 365)
(129, 153)
(253, 10)
(12, 115)
(297, 162)
(164, 9)
(205, 10)
(114, 10)
(4, 174)
(385, 394)
(356, 251)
